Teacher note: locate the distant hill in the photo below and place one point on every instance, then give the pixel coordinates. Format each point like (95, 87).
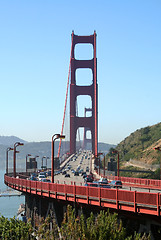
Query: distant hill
(140, 145)
(34, 148)
(10, 140)
(104, 147)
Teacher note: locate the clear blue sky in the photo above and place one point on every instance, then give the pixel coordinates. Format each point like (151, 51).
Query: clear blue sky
(34, 58)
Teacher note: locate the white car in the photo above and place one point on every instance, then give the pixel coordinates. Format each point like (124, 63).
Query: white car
(41, 176)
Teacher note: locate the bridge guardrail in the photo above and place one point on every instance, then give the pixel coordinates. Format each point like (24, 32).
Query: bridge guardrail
(138, 181)
(142, 202)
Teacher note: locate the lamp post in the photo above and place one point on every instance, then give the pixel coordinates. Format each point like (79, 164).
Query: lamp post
(117, 152)
(159, 149)
(8, 149)
(54, 137)
(104, 164)
(14, 156)
(26, 162)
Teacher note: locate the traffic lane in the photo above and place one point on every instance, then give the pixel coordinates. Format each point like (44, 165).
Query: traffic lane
(139, 189)
(82, 162)
(77, 179)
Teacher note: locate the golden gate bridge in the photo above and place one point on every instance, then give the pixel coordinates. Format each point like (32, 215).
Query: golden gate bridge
(140, 205)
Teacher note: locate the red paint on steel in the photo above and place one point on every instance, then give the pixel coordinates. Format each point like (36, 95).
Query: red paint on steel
(95, 97)
(85, 139)
(75, 90)
(140, 202)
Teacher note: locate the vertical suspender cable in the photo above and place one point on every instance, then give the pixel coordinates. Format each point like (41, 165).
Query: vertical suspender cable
(66, 97)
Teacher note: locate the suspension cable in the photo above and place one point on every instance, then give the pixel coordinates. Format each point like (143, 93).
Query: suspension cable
(66, 97)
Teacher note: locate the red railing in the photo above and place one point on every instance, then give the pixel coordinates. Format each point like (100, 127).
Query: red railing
(141, 202)
(137, 181)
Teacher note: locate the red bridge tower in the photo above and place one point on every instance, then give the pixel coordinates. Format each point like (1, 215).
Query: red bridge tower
(91, 90)
(85, 139)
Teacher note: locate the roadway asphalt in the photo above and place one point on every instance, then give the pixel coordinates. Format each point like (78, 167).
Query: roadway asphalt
(83, 160)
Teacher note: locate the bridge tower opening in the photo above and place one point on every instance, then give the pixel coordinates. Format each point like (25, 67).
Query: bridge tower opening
(89, 123)
(86, 140)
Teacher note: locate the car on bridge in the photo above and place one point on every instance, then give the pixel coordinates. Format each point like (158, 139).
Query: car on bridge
(97, 184)
(116, 184)
(67, 175)
(49, 173)
(91, 184)
(84, 175)
(76, 173)
(45, 180)
(41, 177)
(33, 178)
(88, 179)
(103, 180)
(87, 169)
(64, 172)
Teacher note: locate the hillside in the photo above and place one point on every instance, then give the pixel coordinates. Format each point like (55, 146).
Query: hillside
(10, 140)
(34, 148)
(140, 145)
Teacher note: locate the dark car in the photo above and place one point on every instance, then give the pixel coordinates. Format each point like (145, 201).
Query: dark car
(87, 169)
(67, 175)
(64, 172)
(33, 175)
(76, 174)
(104, 185)
(88, 179)
(84, 175)
(116, 184)
(90, 176)
(97, 184)
(49, 173)
(45, 180)
(33, 178)
(91, 184)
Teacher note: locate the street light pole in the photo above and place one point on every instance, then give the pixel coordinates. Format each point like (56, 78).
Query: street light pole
(118, 162)
(8, 149)
(14, 156)
(54, 137)
(26, 162)
(159, 149)
(104, 164)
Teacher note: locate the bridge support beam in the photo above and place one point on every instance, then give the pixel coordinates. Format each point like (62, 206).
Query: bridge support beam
(86, 140)
(91, 90)
(38, 207)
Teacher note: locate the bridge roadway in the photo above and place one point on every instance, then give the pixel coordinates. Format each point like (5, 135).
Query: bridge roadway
(140, 196)
(83, 159)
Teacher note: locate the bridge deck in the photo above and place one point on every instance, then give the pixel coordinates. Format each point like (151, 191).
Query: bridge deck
(140, 202)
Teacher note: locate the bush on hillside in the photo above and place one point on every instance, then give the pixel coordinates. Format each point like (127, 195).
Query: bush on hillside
(102, 226)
